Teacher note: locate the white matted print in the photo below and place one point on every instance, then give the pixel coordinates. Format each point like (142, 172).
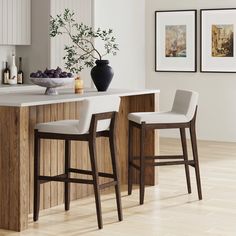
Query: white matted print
(175, 41)
(218, 40)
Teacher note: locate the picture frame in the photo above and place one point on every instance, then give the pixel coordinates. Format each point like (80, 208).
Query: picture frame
(176, 41)
(217, 40)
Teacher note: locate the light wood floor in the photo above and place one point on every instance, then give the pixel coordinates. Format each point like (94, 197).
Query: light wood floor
(168, 210)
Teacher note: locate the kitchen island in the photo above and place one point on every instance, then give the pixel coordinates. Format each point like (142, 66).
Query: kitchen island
(20, 112)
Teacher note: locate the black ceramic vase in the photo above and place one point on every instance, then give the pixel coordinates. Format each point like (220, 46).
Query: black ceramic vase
(102, 75)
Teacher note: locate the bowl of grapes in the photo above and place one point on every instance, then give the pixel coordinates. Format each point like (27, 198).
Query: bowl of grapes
(51, 79)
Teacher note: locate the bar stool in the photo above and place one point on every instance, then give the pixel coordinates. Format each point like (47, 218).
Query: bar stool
(98, 119)
(182, 116)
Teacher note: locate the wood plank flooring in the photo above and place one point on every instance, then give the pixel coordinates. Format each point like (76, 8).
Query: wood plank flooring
(168, 209)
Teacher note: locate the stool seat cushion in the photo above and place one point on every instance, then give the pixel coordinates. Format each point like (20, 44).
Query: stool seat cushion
(59, 127)
(157, 117)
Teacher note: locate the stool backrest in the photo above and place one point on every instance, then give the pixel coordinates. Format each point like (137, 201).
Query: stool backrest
(95, 105)
(185, 103)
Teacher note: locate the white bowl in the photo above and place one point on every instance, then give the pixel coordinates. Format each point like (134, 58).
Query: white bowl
(51, 83)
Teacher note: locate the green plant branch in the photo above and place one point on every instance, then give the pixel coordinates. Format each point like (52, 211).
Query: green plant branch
(94, 49)
(86, 52)
(82, 52)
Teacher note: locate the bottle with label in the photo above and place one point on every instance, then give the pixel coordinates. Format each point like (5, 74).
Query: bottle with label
(13, 69)
(20, 74)
(6, 74)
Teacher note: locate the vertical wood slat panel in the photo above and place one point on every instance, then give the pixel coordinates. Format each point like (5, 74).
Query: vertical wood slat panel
(14, 173)
(46, 160)
(40, 117)
(32, 123)
(54, 159)
(24, 160)
(73, 153)
(60, 156)
(5, 167)
(122, 138)
(14, 166)
(78, 158)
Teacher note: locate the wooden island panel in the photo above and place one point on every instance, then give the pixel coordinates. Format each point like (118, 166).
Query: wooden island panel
(16, 156)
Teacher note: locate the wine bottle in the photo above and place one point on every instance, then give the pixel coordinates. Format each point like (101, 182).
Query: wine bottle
(6, 74)
(13, 69)
(20, 74)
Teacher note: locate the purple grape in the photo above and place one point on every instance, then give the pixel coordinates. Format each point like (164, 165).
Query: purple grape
(58, 70)
(51, 71)
(56, 75)
(33, 75)
(69, 75)
(44, 75)
(37, 75)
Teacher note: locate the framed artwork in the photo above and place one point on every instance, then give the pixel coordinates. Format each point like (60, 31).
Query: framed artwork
(218, 40)
(175, 41)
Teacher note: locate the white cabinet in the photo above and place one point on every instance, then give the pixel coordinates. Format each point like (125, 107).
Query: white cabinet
(15, 20)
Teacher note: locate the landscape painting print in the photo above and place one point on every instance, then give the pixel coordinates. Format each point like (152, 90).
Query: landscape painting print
(175, 41)
(222, 41)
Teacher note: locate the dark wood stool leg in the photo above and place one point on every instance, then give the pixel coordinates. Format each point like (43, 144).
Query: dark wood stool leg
(93, 158)
(130, 159)
(36, 174)
(116, 175)
(185, 154)
(142, 164)
(195, 157)
(67, 166)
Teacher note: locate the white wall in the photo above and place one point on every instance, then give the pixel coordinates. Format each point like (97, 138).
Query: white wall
(217, 105)
(127, 19)
(5, 55)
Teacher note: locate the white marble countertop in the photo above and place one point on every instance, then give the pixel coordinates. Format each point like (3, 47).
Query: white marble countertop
(17, 88)
(37, 97)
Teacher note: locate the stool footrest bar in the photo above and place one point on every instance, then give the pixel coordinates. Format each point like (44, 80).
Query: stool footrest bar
(108, 184)
(89, 172)
(160, 157)
(172, 163)
(61, 178)
(45, 180)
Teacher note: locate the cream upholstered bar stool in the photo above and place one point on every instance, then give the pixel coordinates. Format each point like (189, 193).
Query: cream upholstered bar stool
(98, 119)
(182, 116)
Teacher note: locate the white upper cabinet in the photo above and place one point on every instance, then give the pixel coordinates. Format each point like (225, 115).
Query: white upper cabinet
(15, 22)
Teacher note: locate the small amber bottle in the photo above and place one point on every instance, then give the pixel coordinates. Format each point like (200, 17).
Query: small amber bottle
(79, 85)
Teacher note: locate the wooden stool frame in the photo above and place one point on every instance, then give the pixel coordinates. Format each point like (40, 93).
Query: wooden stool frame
(176, 159)
(89, 137)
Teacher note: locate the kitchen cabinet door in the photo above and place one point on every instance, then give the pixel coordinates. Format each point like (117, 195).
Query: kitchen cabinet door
(15, 21)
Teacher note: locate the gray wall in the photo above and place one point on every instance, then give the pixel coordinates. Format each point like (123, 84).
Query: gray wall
(217, 105)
